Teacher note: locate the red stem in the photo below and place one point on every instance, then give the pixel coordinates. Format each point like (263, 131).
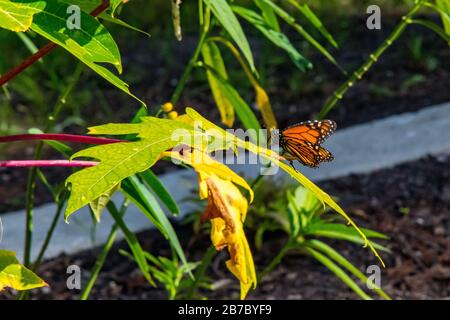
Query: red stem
(59, 137)
(47, 163)
(43, 51)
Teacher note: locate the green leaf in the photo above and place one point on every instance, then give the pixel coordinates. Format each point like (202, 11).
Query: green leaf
(226, 17)
(120, 160)
(113, 4)
(132, 240)
(92, 44)
(336, 256)
(434, 27)
(268, 14)
(243, 110)
(89, 5)
(211, 56)
(315, 21)
(15, 275)
(338, 272)
(444, 9)
(291, 21)
(160, 190)
(293, 215)
(18, 17)
(340, 231)
(97, 205)
(276, 37)
(150, 207)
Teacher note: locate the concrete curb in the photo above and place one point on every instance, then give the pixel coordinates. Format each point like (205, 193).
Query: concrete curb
(358, 149)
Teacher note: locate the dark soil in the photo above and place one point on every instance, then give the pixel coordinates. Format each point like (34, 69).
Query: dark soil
(410, 203)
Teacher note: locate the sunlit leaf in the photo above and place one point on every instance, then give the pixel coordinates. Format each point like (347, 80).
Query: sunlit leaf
(97, 205)
(120, 160)
(211, 56)
(226, 17)
(315, 21)
(276, 37)
(15, 275)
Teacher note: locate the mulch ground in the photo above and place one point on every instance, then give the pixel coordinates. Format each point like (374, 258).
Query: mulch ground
(410, 203)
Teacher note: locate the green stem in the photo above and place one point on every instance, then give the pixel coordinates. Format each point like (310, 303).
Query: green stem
(206, 261)
(31, 180)
(358, 74)
(205, 23)
(58, 212)
(102, 257)
(277, 260)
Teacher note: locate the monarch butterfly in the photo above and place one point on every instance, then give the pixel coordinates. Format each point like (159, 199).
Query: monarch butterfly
(303, 141)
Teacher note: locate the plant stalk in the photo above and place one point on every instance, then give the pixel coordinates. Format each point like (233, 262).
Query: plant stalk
(205, 23)
(358, 74)
(102, 257)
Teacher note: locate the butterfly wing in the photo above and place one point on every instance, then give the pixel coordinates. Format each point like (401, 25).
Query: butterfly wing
(303, 141)
(301, 152)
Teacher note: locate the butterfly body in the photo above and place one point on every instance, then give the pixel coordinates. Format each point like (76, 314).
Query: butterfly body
(303, 141)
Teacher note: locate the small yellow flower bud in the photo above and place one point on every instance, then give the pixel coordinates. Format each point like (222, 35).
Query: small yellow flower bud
(167, 107)
(172, 115)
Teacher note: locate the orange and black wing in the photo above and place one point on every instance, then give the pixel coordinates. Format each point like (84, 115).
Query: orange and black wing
(302, 141)
(300, 152)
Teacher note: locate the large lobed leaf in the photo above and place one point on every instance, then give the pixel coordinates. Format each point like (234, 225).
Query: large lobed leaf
(92, 43)
(120, 160)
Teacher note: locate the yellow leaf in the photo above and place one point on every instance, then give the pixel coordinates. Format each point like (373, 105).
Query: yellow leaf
(15, 275)
(227, 209)
(263, 102)
(205, 165)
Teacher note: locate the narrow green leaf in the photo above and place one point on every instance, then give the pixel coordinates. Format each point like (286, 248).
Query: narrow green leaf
(336, 256)
(226, 17)
(291, 21)
(160, 190)
(243, 110)
(338, 272)
(443, 7)
(434, 27)
(269, 15)
(277, 38)
(155, 213)
(315, 21)
(132, 241)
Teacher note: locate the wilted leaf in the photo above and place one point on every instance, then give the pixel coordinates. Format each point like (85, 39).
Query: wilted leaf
(227, 209)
